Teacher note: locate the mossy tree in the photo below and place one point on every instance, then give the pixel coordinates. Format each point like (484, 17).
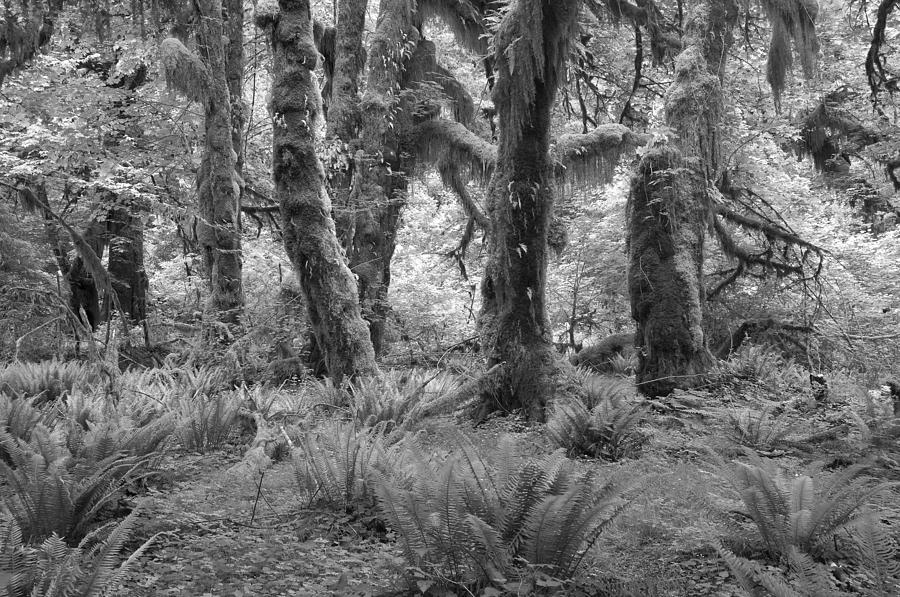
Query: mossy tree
(680, 191)
(308, 229)
(530, 51)
(204, 79)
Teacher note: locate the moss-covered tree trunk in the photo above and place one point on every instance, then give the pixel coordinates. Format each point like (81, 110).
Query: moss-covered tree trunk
(379, 179)
(218, 192)
(668, 211)
(531, 47)
(126, 261)
(308, 229)
(234, 74)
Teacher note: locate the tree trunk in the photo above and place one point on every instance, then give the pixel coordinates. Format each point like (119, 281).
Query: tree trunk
(669, 210)
(126, 261)
(379, 179)
(218, 192)
(531, 47)
(309, 233)
(234, 74)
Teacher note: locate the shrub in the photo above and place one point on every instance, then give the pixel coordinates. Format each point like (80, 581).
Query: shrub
(464, 524)
(605, 427)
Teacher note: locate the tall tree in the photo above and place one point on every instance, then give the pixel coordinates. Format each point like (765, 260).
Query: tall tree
(670, 206)
(530, 51)
(309, 232)
(668, 210)
(204, 79)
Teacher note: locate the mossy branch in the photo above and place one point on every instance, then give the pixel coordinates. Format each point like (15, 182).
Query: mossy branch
(463, 17)
(445, 141)
(584, 159)
(185, 71)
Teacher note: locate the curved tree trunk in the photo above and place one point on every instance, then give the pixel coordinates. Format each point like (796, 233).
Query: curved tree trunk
(668, 211)
(218, 192)
(531, 47)
(308, 229)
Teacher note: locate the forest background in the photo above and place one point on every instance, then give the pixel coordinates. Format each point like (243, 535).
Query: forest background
(437, 208)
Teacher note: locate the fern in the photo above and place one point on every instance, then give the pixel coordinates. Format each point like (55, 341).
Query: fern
(47, 381)
(877, 554)
(807, 511)
(57, 494)
(758, 431)
(205, 422)
(464, 523)
(54, 569)
(608, 430)
(333, 464)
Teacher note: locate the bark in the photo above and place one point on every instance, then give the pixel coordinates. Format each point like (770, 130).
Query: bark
(234, 74)
(126, 261)
(513, 321)
(308, 229)
(379, 184)
(218, 192)
(669, 210)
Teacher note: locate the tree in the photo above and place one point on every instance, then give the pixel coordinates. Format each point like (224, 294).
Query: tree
(205, 80)
(308, 230)
(530, 51)
(672, 202)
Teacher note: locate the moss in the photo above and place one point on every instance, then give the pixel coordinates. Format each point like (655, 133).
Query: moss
(185, 72)
(592, 158)
(267, 12)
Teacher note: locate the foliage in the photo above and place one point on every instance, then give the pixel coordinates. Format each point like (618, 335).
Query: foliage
(804, 512)
(55, 569)
(758, 430)
(602, 424)
(396, 398)
(809, 579)
(466, 525)
(762, 365)
(205, 421)
(48, 491)
(334, 464)
(47, 380)
(877, 553)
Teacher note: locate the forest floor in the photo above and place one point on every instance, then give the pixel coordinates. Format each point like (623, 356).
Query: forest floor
(224, 532)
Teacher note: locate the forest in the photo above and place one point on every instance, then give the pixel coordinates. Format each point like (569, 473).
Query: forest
(481, 298)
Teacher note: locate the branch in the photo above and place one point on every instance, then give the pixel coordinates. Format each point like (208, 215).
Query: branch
(768, 229)
(880, 79)
(591, 158)
(445, 141)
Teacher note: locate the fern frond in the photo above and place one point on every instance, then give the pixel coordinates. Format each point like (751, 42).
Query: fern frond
(752, 577)
(877, 553)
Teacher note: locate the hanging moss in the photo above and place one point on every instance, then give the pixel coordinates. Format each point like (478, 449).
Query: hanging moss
(792, 20)
(185, 72)
(465, 19)
(592, 158)
(445, 140)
